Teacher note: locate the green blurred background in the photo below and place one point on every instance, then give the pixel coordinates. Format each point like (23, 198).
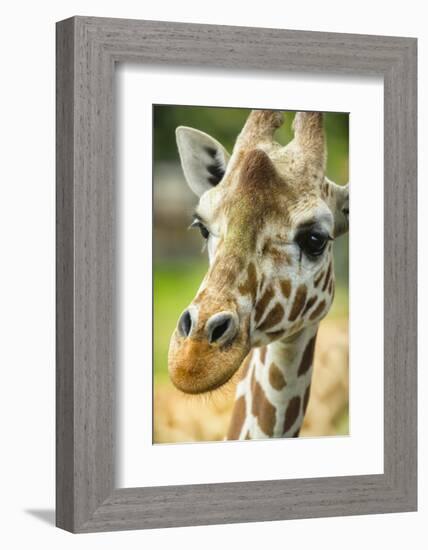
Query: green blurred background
(179, 265)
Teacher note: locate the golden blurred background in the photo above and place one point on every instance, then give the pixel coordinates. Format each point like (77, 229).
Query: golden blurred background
(179, 266)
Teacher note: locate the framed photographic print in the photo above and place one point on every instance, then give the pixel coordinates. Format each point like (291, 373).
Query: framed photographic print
(236, 274)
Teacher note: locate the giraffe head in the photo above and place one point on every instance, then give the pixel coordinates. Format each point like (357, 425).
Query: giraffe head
(269, 216)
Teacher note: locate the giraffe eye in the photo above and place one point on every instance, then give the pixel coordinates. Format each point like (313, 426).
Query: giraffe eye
(312, 243)
(204, 231)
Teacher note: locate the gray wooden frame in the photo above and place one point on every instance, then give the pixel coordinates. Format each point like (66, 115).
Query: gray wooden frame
(87, 50)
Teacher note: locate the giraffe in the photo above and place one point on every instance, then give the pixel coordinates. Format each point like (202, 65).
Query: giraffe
(269, 216)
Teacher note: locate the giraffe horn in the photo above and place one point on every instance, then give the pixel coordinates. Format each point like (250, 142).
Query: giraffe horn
(309, 136)
(259, 128)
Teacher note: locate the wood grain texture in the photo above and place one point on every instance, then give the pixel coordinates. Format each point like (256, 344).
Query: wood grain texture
(64, 278)
(87, 49)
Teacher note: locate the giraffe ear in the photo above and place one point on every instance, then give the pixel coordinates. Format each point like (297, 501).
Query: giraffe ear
(339, 202)
(203, 159)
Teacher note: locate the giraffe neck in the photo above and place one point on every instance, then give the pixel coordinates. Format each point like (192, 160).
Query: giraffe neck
(273, 393)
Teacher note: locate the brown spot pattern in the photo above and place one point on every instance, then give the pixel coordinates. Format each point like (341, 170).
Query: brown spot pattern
(306, 398)
(273, 318)
(277, 255)
(263, 303)
(262, 354)
(275, 334)
(296, 433)
(299, 302)
(276, 378)
(320, 308)
(250, 285)
(291, 413)
(309, 304)
(263, 409)
(238, 417)
(286, 288)
(307, 357)
(318, 279)
(253, 380)
(295, 327)
(327, 278)
(246, 365)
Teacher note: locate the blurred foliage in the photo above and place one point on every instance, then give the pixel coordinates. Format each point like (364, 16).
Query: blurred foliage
(342, 423)
(224, 124)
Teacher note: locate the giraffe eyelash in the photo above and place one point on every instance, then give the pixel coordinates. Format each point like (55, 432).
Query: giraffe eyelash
(202, 228)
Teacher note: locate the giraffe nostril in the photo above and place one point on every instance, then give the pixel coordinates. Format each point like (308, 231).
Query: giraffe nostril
(185, 324)
(221, 328)
(218, 331)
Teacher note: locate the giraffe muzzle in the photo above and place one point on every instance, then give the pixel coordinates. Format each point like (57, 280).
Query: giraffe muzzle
(221, 328)
(205, 353)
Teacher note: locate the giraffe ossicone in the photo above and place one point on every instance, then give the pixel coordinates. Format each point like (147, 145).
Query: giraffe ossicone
(270, 216)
